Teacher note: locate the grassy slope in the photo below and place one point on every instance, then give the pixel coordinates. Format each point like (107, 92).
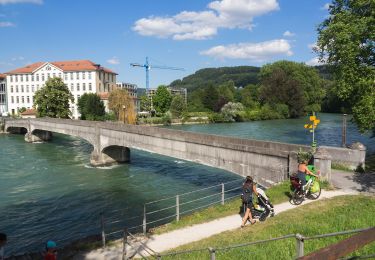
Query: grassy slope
(277, 194)
(326, 216)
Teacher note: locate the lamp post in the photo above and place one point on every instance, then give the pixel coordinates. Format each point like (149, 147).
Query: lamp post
(124, 112)
(344, 130)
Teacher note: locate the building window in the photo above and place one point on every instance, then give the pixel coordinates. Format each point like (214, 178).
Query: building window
(37, 87)
(27, 77)
(89, 74)
(23, 99)
(18, 99)
(77, 86)
(48, 76)
(22, 89)
(11, 89)
(12, 99)
(71, 75)
(32, 88)
(84, 86)
(11, 78)
(42, 77)
(71, 87)
(66, 76)
(90, 86)
(77, 75)
(28, 99)
(37, 77)
(83, 75)
(27, 88)
(32, 77)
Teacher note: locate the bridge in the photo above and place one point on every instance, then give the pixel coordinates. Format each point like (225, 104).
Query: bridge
(268, 162)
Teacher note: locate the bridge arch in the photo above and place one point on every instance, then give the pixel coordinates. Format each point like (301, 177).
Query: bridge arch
(110, 154)
(16, 130)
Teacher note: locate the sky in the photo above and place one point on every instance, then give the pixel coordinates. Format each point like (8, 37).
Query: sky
(186, 34)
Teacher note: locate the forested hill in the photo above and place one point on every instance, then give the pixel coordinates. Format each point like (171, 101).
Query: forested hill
(241, 76)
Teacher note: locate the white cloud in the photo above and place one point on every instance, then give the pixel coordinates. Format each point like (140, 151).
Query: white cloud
(288, 34)
(314, 62)
(205, 24)
(114, 61)
(4, 2)
(259, 52)
(7, 24)
(19, 58)
(326, 6)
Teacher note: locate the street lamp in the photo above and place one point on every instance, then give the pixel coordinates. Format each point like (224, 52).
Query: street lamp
(124, 111)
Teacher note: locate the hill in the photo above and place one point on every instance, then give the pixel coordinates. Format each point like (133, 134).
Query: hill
(241, 76)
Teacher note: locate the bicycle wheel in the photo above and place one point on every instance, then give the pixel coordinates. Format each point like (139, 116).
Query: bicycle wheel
(297, 197)
(314, 195)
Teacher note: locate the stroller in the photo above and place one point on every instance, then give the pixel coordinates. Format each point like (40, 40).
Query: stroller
(263, 208)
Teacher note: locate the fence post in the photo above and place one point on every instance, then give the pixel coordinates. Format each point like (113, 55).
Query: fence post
(102, 228)
(124, 242)
(177, 207)
(144, 219)
(222, 194)
(212, 253)
(299, 245)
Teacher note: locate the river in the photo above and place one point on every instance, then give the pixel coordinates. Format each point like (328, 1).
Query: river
(48, 190)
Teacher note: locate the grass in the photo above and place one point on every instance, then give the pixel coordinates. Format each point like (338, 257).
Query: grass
(325, 216)
(341, 167)
(277, 194)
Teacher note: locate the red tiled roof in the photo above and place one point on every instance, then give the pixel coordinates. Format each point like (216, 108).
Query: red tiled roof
(29, 112)
(104, 95)
(2, 76)
(74, 65)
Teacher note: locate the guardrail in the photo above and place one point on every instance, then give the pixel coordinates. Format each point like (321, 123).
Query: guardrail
(298, 237)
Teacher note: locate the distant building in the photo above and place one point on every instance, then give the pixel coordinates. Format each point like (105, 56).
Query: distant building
(133, 92)
(173, 91)
(3, 95)
(81, 76)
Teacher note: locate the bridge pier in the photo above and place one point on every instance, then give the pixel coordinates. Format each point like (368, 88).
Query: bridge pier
(110, 155)
(38, 136)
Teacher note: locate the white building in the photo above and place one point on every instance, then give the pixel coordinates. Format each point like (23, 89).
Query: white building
(3, 96)
(81, 76)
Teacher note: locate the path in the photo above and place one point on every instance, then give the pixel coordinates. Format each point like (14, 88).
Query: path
(166, 241)
(349, 181)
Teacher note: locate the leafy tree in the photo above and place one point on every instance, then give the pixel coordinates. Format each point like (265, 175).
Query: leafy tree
(346, 41)
(278, 88)
(145, 103)
(226, 94)
(249, 96)
(52, 100)
(91, 107)
(231, 111)
(162, 99)
(122, 105)
(178, 106)
(210, 97)
(304, 79)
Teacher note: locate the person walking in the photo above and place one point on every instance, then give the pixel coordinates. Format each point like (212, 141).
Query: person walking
(51, 251)
(248, 188)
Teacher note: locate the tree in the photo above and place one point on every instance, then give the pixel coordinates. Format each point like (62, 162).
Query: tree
(162, 99)
(178, 106)
(210, 97)
(122, 105)
(346, 40)
(145, 103)
(302, 88)
(52, 100)
(91, 107)
(279, 88)
(231, 111)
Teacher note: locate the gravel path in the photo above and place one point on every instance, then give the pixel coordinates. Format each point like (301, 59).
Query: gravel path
(166, 241)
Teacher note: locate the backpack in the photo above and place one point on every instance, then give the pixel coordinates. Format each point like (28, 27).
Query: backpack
(247, 195)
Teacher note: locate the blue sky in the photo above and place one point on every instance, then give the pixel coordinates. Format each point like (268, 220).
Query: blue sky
(187, 34)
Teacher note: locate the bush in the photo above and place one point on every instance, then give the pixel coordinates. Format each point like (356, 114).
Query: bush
(167, 118)
(216, 118)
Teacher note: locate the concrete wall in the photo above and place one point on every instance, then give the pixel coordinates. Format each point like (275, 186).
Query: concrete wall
(268, 162)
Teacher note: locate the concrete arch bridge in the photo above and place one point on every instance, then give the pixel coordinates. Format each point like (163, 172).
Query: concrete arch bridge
(268, 162)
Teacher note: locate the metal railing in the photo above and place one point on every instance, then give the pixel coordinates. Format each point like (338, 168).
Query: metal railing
(300, 239)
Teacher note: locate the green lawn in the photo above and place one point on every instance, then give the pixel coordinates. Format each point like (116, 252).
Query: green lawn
(325, 216)
(277, 194)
